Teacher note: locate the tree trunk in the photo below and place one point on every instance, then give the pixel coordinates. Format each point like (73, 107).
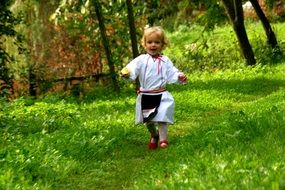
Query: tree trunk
(271, 38)
(106, 44)
(32, 83)
(133, 34)
(235, 14)
(132, 29)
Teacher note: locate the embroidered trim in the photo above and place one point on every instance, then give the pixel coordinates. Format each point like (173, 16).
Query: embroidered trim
(152, 91)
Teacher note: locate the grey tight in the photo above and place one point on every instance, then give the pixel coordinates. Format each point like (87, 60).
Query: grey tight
(152, 129)
(162, 130)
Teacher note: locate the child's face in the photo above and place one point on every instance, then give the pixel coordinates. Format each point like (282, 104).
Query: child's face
(153, 44)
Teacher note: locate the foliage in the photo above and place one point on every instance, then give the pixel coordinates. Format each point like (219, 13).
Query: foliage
(7, 29)
(68, 49)
(215, 15)
(71, 28)
(218, 49)
(206, 13)
(116, 30)
(63, 40)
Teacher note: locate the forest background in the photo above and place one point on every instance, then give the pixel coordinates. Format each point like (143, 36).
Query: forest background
(72, 46)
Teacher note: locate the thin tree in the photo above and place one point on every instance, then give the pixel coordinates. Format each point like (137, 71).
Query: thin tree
(235, 13)
(106, 44)
(133, 36)
(271, 38)
(132, 28)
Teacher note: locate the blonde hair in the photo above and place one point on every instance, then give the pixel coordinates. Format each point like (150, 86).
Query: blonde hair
(155, 29)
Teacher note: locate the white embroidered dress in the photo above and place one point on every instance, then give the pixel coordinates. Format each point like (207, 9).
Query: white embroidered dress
(154, 74)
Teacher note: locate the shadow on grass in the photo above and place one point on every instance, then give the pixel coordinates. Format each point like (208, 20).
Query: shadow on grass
(257, 86)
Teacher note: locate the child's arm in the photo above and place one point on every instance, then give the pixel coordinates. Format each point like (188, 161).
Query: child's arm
(132, 69)
(174, 75)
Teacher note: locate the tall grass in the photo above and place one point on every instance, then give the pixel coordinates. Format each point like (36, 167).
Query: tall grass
(229, 133)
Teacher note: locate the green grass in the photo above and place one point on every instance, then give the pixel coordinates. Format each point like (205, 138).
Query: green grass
(228, 134)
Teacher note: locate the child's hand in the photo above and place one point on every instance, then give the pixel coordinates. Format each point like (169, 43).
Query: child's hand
(182, 78)
(125, 73)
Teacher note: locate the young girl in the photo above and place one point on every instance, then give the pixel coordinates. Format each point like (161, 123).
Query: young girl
(154, 104)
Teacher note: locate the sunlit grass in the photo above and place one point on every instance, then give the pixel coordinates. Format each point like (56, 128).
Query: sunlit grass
(229, 134)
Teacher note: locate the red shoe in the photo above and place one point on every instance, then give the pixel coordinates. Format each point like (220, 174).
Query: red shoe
(163, 144)
(153, 145)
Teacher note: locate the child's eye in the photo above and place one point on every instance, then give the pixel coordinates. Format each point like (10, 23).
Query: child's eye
(156, 42)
